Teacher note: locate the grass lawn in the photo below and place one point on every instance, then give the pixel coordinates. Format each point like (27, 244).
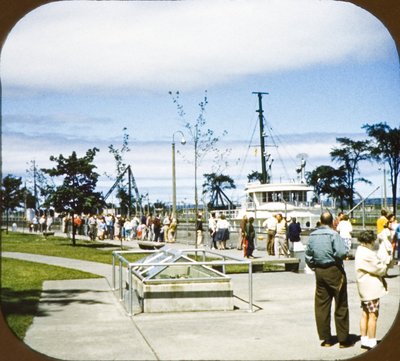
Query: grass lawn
(238, 268)
(58, 247)
(21, 286)
(21, 281)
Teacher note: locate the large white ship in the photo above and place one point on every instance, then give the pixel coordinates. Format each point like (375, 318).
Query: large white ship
(265, 199)
(289, 199)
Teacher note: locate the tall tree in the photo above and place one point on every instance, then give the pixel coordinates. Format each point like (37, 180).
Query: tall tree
(386, 148)
(204, 139)
(327, 180)
(349, 154)
(77, 193)
(255, 176)
(214, 185)
(12, 195)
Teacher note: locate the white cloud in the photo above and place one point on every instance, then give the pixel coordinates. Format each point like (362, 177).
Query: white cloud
(164, 45)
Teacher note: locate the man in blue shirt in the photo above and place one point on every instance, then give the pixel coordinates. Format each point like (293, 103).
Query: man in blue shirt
(324, 254)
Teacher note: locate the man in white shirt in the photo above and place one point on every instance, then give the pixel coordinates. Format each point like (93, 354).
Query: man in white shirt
(270, 225)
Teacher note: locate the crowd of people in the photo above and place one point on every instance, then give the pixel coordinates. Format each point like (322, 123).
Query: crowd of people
(41, 223)
(282, 234)
(145, 228)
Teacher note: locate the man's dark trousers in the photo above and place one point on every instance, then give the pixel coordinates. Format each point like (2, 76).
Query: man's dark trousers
(331, 283)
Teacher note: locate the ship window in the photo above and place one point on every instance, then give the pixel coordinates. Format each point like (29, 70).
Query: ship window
(264, 197)
(302, 196)
(286, 196)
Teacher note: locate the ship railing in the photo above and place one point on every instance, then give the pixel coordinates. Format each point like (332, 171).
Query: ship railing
(252, 205)
(228, 213)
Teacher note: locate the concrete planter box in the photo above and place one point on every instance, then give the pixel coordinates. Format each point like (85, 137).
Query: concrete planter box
(183, 296)
(182, 288)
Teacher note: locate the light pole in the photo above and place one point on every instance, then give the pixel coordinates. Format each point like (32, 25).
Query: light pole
(384, 187)
(183, 141)
(384, 192)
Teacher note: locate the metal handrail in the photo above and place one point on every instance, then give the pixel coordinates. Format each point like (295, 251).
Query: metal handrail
(131, 265)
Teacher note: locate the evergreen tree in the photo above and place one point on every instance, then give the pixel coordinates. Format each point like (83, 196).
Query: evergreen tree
(214, 185)
(12, 195)
(327, 180)
(349, 154)
(386, 148)
(77, 193)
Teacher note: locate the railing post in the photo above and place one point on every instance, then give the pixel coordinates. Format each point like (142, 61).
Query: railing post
(121, 290)
(113, 271)
(130, 289)
(250, 287)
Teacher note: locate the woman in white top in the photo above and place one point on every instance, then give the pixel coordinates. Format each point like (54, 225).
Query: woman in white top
(371, 286)
(345, 228)
(222, 232)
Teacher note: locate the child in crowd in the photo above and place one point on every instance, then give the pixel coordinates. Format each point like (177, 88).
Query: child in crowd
(371, 285)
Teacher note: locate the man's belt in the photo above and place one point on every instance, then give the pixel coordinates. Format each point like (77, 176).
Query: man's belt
(326, 265)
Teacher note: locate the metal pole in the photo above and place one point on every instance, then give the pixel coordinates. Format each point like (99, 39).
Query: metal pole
(363, 215)
(250, 287)
(113, 272)
(262, 135)
(173, 181)
(129, 191)
(130, 289)
(35, 193)
(384, 187)
(362, 200)
(121, 294)
(183, 141)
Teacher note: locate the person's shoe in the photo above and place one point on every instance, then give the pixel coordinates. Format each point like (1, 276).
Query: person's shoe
(347, 343)
(327, 343)
(252, 257)
(365, 347)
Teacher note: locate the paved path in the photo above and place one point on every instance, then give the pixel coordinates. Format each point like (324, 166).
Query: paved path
(83, 320)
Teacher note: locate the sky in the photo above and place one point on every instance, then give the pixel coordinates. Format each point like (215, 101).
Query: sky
(75, 73)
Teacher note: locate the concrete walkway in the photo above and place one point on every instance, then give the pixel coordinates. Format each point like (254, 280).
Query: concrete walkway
(83, 320)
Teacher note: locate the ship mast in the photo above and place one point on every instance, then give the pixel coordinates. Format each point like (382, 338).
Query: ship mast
(262, 137)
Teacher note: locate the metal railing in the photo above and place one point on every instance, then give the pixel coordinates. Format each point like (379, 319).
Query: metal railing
(118, 257)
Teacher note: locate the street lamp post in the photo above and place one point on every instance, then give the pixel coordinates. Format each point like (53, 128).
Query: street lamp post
(384, 192)
(183, 141)
(384, 187)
